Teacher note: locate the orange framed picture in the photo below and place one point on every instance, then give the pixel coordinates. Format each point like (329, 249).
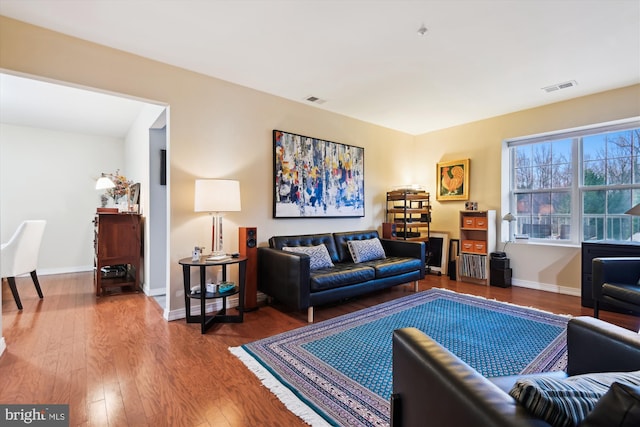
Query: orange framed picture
(453, 180)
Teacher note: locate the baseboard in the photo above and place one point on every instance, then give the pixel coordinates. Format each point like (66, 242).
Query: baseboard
(565, 290)
(64, 270)
(3, 346)
(153, 292)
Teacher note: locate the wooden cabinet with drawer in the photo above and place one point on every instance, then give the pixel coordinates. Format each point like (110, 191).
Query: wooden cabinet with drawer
(117, 245)
(478, 240)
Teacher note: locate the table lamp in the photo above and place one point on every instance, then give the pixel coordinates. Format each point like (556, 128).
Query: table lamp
(635, 211)
(104, 182)
(510, 218)
(217, 196)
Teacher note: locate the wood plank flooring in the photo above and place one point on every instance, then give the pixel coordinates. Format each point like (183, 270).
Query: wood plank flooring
(117, 362)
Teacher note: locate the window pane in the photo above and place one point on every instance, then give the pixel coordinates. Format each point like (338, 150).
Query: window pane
(594, 173)
(523, 203)
(619, 170)
(524, 178)
(593, 228)
(618, 228)
(618, 201)
(562, 175)
(594, 147)
(542, 177)
(594, 202)
(561, 203)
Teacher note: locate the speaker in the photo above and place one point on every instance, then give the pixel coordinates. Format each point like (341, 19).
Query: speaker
(248, 247)
(500, 278)
(389, 230)
(499, 263)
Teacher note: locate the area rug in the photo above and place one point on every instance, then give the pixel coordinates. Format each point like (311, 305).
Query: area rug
(339, 372)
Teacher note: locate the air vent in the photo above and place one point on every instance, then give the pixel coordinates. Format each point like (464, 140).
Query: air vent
(315, 100)
(564, 85)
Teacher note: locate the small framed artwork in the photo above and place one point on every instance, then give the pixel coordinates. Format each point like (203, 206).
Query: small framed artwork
(134, 190)
(452, 180)
(438, 247)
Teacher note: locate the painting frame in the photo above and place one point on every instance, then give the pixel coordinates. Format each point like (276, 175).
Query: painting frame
(455, 170)
(316, 178)
(444, 252)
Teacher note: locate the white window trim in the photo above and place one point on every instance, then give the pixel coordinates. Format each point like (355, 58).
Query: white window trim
(506, 228)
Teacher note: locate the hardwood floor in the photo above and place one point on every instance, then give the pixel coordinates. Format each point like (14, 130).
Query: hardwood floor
(117, 362)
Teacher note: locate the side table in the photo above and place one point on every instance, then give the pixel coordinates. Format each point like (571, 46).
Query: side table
(221, 316)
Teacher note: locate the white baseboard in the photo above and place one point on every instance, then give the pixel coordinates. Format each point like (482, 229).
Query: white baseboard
(153, 292)
(3, 346)
(63, 270)
(565, 290)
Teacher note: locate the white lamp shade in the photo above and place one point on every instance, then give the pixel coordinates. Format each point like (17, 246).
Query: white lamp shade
(509, 217)
(103, 183)
(217, 195)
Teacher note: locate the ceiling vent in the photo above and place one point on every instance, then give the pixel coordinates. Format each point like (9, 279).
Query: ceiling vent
(564, 85)
(315, 100)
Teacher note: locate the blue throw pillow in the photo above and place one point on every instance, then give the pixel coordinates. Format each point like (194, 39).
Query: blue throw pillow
(366, 250)
(566, 402)
(319, 255)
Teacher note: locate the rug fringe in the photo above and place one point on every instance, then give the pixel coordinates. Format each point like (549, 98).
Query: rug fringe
(290, 400)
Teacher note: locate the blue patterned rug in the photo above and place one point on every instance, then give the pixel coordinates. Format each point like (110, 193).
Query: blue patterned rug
(339, 372)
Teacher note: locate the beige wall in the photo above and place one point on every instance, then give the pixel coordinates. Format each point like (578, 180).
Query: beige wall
(554, 268)
(218, 129)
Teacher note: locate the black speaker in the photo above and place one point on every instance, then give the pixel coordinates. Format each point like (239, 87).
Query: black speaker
(500, 277)
(248, 246)
(499, 263)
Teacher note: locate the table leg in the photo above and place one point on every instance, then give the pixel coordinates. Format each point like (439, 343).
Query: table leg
(186, 280)
(203, 300)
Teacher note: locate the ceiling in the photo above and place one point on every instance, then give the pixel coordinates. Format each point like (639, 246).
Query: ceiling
(40, 104)
(366, 59)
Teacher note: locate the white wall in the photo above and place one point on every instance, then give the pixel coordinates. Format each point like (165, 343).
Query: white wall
(51, 175)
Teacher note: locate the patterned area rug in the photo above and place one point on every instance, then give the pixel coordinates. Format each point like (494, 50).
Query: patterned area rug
(339, 372)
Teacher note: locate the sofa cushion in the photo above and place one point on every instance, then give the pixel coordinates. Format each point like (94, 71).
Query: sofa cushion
(319, 255)
(629, 293)
(342, 274)
(566, 402)
(365, 250)
(619, 407)
(394, 266)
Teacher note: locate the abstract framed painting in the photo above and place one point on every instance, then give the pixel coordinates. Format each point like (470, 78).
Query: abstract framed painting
(314, 178)
(452, 180)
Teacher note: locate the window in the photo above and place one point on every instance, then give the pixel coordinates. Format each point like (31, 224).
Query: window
(576, 185)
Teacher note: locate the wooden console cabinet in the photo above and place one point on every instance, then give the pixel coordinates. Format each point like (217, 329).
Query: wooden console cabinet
(117, 244)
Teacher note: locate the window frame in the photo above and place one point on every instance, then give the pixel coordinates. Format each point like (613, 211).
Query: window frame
(576, 189)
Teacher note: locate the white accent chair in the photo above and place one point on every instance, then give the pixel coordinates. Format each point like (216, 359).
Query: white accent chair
(20, 255)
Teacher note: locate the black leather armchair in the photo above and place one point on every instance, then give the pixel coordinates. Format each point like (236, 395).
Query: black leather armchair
(432, 386)
(615, 282)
